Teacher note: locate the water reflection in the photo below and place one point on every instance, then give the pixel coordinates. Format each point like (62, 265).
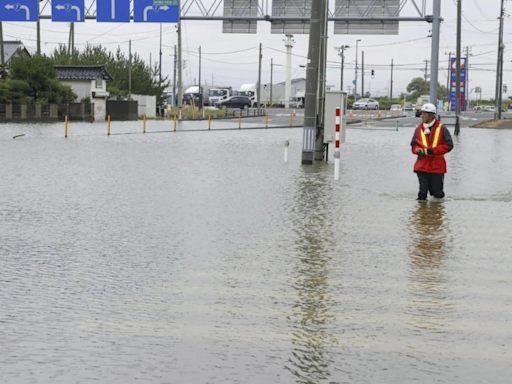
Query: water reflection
(312, 315)
(428, 281)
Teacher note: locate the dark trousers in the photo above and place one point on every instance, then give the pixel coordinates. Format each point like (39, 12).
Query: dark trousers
(430, 182)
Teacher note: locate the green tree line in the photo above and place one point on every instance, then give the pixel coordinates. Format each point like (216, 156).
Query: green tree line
(34, 79)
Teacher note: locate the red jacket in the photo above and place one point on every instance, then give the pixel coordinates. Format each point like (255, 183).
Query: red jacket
(436, 145)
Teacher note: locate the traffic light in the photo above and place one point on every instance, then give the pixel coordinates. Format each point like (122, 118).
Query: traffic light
(373, 74)
(265, 86)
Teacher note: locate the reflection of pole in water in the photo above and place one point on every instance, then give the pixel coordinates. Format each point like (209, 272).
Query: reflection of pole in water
(428, 283)
(311, 318)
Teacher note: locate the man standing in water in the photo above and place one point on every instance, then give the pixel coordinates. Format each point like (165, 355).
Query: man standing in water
(431, 141)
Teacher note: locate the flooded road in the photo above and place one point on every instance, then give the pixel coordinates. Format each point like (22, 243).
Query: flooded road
(202, 257)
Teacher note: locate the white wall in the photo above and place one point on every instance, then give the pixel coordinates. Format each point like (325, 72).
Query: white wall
(146, 105)
(85, 88)
(81, 87)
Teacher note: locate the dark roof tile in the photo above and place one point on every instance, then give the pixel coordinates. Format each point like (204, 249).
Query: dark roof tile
(82, 72)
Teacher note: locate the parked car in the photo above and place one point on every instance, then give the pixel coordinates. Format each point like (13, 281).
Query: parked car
(366, 104)
(396, 108)
(241, 102)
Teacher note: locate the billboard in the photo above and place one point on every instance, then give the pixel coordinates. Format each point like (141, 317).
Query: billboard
(453, 83)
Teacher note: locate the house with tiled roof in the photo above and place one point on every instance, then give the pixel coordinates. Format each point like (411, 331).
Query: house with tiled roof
(13, 49)
(87, 81)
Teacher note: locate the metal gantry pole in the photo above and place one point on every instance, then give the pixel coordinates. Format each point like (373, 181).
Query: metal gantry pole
(355, 85)
(319, 142)
(2, 55)
(310, 107)
(457, 86)
(259, 79)
(434, 57)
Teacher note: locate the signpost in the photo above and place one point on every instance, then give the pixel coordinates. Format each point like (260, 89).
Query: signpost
(113, 11)
(69, 11)
(453, 84)
(19, 10)
(148, 11)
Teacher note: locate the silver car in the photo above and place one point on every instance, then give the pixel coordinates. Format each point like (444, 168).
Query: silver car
(366, 104)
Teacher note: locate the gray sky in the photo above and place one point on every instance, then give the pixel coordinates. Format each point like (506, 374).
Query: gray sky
(479, 31)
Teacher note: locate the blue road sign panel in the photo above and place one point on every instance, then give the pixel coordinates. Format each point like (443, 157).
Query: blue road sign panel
(68, 10)
(19, 10)
(113, 11)
(354, 82)
(145, 11)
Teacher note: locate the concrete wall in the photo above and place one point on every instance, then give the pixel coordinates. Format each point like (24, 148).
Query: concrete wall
(146, 105)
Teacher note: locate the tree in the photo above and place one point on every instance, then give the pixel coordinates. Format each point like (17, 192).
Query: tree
(418, 86)
(14, 91)
(35, 79)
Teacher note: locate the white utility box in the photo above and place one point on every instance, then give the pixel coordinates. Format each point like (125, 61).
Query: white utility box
(333, 100)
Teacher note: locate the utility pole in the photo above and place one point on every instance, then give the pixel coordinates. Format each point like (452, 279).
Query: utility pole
(2, 56)
(288, 87)
(180, 72)
(174, 80)
(341, 53)
(200, 86)
(362, 74)
(72, 38)
(318, 7)
(457, 86)
(391, 91)
(271, 78)
(69, 39)
(434, 57)
(259, 80)
(130, 68)
(160, 61)
(319, 143)
(355, 87)
(499, 69)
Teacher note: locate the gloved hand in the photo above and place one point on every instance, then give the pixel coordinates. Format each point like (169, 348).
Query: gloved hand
(421, 153)
(430, 151)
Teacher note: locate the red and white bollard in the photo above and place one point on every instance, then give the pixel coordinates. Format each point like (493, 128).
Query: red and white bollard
(337, 150)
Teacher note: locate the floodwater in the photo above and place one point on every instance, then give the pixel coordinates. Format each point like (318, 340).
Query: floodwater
(201, 257)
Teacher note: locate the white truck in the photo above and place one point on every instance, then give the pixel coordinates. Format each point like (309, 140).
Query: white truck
(422, 100)
(219, 94)
(192, 93)
(250, 91)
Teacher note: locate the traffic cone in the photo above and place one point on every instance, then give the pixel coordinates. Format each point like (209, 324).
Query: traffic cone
(379, 115)
(294, 113)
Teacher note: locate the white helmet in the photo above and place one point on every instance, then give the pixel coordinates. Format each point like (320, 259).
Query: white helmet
(430, 108)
